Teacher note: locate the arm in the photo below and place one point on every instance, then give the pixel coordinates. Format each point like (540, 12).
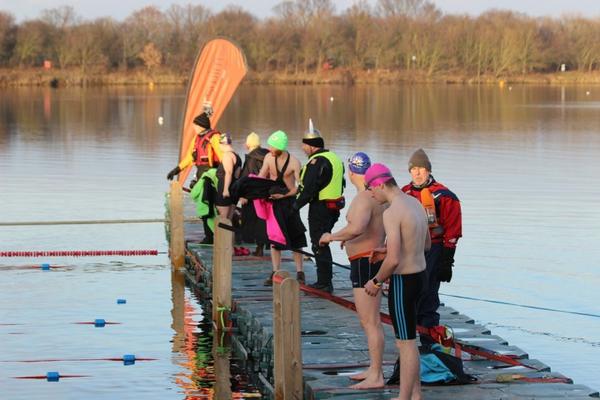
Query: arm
(358, 219)
(264, 170)
(311, 184)
(392, 257)
(188, 159)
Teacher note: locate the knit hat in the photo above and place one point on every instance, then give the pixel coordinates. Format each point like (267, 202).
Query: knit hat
(419, 159)
(278, 140)
(359, 163)
(225, 138)
(376, 175)
(202, 120)
(312, 136)
(252, 140)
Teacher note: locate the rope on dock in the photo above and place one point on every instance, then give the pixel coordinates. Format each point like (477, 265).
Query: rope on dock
(79, 253)
(95, 222)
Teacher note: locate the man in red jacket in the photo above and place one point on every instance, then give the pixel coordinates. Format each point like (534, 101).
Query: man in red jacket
(445, 227)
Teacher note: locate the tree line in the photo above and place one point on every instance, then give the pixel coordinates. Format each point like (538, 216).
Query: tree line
(307, 36)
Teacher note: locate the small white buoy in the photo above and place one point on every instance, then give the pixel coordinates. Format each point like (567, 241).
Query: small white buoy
(331, 98)
(587, 93)
(161, 120)
(509, 88)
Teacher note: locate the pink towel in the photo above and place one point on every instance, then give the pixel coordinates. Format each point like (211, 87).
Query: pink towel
(264, 210)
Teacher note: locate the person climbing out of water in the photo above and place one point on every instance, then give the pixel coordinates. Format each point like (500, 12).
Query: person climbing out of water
(445, 228)
(407, 239)
(362, 234)
(253, 162)
(228, 172)
(280, 166)
(203, 151)
(322, 187)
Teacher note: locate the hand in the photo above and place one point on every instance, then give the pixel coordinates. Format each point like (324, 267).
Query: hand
(225, 193)
(325, 239)
(243, 201)
(377, 255)
(445, 264)
(371, 288)
(173, 172)
(276, 196)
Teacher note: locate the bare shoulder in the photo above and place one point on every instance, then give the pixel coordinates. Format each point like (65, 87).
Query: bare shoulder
(294, 162)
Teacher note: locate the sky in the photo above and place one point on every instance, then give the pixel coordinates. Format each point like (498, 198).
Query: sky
(120, 9)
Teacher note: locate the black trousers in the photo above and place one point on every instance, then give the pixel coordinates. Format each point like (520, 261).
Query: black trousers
(321, 220)
(427, 306)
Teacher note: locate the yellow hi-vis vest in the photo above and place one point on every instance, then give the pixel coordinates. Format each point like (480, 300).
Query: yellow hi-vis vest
(334, 189)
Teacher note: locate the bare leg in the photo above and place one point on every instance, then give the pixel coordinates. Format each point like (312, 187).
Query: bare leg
(368, 312)
(298, 261)
(225, 211)
(410, 379)
(275, 258)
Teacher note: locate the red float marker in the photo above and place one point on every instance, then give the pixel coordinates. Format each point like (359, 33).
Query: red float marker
(118, 359)
(46, 377)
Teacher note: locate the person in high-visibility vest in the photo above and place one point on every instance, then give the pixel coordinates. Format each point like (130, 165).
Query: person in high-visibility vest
(322, 187)
(445, 227)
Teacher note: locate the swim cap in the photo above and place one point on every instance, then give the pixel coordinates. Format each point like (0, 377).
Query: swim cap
(359, 163)
(377, 174)
(312, 136)
(278, 140)
(419, 159)
(252, 140)
(202, 120)
(225, 138)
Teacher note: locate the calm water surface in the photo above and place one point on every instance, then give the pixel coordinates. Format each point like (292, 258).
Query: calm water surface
(523, 162)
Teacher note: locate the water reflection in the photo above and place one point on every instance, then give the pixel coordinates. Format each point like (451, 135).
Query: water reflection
(205, 357)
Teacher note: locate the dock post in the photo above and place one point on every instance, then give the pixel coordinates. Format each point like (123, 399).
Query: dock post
(177, 243)
(287, 338)
(221, 273)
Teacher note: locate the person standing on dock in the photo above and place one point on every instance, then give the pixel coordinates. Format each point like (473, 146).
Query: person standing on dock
(253, 163)
(362, 234)
(407, 239)
(445, 227)
(204, 152)
(279, 165)
(228, 172)
(322, 187)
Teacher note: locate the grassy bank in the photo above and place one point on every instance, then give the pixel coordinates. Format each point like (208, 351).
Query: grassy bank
(77, 77)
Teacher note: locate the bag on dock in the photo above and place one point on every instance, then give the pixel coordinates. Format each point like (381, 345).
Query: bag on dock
(437, 368)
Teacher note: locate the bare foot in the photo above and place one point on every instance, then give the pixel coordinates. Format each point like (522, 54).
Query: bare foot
(361, 376)
(369, 383)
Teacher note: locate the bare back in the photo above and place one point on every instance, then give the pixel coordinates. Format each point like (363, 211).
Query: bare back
(367, 213)
(407, 233)
(272, 165)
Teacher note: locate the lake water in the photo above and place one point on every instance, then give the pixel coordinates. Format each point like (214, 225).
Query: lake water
(523, 160)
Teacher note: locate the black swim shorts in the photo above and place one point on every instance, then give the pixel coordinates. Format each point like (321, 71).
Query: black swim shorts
(362, 271)
(405, 291)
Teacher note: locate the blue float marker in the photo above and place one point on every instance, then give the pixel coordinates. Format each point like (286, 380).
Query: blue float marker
(128, 359)
(52, 376)
(99, 323)
(45, 267)
(121, 301)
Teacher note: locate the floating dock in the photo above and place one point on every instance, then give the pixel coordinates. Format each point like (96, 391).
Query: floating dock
(334, 346)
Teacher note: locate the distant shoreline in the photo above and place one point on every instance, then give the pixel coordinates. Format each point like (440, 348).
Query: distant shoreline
(32, 77)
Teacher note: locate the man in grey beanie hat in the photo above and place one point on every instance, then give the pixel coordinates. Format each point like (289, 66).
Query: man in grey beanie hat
(445, 227)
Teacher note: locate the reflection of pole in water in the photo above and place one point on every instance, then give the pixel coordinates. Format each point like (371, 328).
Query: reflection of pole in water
(221, 354)
(178, 310)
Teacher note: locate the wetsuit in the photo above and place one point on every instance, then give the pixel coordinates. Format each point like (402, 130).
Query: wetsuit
(443, 245)
(322, 186)
(222, 201)
(251, 224)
